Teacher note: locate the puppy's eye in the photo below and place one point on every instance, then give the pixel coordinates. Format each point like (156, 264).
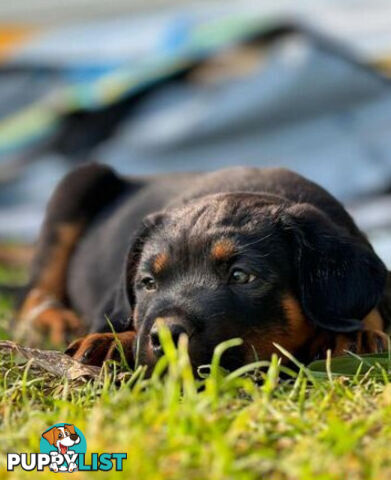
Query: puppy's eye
(60, 435)
(239, 276)
(148, 283)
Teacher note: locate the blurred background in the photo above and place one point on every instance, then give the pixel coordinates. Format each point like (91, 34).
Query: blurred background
(166, 85)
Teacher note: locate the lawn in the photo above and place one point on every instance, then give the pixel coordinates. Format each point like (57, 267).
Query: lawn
(304, 427)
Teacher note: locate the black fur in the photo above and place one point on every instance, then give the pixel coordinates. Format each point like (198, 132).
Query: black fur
(339, 278)
(292, 234)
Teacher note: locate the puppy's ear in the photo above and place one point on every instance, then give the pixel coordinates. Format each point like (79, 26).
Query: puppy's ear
(339, 279)
(50, 435)
(118, 304)
(150, 224)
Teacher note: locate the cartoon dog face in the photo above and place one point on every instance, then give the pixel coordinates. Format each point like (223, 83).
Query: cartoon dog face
(62, 437)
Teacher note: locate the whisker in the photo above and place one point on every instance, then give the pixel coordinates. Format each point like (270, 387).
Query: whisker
(258, 240)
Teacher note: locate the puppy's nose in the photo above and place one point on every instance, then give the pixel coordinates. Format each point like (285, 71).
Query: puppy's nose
(176, 330)
(74, 436)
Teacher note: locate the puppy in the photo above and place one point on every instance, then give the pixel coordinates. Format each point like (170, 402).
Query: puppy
(260, 254)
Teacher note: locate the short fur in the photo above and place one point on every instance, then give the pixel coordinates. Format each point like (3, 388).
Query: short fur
(313, 276)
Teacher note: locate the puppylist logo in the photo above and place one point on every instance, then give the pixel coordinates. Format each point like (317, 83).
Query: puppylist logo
(63, 448)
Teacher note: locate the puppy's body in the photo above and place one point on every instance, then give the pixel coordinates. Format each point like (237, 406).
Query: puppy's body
(100, 255)
(316, 273)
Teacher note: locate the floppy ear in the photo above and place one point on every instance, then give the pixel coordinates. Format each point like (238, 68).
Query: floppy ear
(49, 435)
(150, 224)
(339, 279)
(118, 304)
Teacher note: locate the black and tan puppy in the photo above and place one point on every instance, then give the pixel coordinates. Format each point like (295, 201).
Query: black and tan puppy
(261, 254)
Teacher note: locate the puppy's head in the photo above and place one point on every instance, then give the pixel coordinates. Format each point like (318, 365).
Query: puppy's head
(62, 437)
(249, 266)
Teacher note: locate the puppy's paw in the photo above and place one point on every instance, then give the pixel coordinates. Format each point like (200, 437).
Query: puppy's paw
(72, 467)
(42, 317)
(95, 348)
(53, 467)
(365, 341)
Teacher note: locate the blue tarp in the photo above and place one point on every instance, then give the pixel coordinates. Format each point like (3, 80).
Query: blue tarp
(300, 101)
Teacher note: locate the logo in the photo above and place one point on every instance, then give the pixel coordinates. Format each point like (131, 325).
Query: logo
(63, 442)
(63, 448)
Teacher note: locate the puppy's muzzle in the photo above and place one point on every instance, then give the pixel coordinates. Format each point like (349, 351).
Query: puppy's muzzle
(175, 327)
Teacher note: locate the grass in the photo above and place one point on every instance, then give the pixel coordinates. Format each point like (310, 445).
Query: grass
(332, 428)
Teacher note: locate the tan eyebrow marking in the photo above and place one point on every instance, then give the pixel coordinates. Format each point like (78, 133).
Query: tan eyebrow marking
(160, 262)
(223, 249)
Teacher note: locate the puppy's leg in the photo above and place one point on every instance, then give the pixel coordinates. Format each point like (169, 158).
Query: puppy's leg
(371, 339)
(365, 341)
(95, 348)
(77, 199)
